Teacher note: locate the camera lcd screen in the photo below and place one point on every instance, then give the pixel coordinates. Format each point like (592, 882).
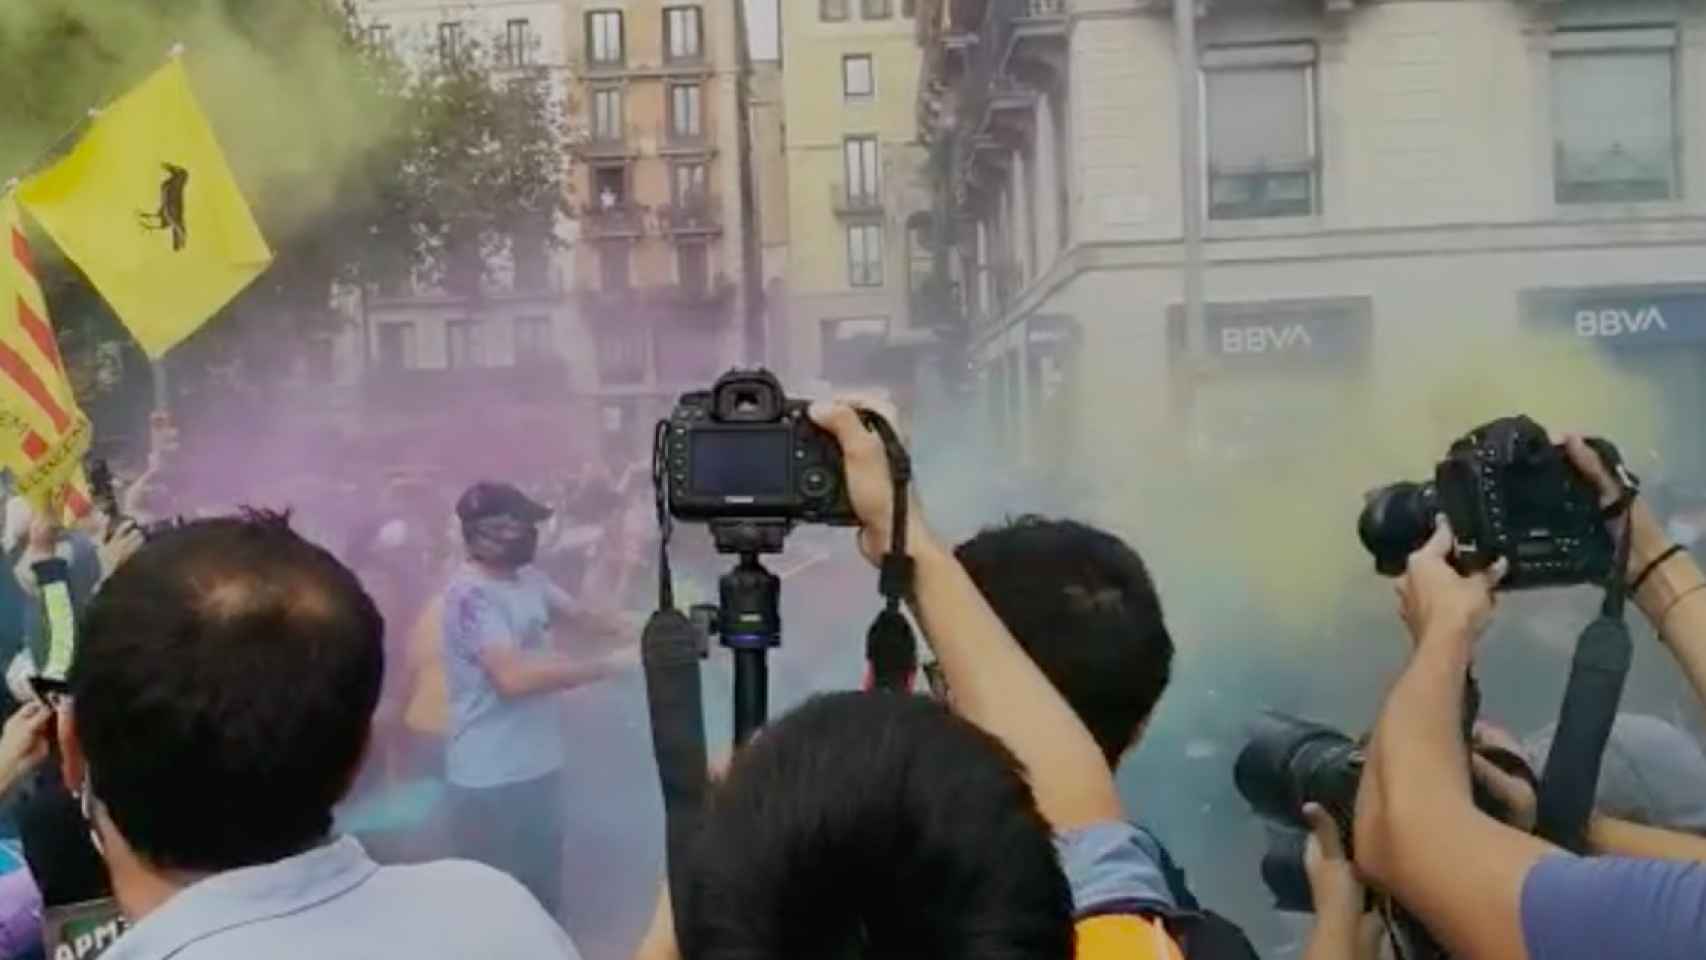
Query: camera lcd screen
(740, 463)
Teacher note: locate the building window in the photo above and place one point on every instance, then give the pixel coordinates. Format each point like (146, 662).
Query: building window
(613, 266)
(877, 9)
(684, 113)
(1614, 119)
(683, 34)
(1261, 132)
(687, 185)
(607, 119)
(693, 267)
(622, 353)
(397, 346)
(450, 41)
(463, 345)
(833, 11)
(518, 43)
(604, 37)
(857, 81)
(850, 346)
(610, 187)
(863, 169)
(865, 255)
(535, 341)
(379, 36)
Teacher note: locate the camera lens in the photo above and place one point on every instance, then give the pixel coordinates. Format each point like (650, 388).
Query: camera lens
(1290, 762)
(1395, 522)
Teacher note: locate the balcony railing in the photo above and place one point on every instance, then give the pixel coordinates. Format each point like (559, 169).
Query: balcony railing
(605, 145)
(986, 87)
(619, 306)
(679, 141)
(621, 220)
(860, 203)
(538, 378)
(693, 215)
(414, 292)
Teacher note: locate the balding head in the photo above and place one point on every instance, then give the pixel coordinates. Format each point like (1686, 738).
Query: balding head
(223, 687)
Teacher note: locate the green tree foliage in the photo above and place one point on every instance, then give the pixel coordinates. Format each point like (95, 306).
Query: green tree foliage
(362, 168)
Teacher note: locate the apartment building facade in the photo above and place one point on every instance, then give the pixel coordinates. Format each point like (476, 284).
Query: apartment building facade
(422, 344)
(1377, 175)
(657, 189)
(856, 181)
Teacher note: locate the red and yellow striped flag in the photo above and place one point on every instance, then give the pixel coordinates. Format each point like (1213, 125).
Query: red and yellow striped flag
(43, 433)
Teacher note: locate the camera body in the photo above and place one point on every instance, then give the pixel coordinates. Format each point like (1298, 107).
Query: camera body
(1510, 493)
(744, 450)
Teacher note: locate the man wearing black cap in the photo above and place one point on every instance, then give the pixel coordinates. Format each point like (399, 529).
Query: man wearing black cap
(504, 751)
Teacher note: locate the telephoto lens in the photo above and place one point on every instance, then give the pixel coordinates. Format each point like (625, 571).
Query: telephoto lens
(1396, 521)
(1291, 762)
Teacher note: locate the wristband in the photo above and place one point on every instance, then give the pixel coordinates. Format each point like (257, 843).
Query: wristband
(1667, 582)
(1652, 568)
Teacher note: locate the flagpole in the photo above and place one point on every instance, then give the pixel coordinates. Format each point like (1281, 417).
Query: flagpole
(162, 388)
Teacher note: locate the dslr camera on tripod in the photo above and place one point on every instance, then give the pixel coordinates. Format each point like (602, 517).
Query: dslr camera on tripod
(1510, 493)
(746, 451)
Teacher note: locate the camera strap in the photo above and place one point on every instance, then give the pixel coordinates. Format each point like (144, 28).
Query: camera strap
(666, 524)
(1570, 782)
(890, 647)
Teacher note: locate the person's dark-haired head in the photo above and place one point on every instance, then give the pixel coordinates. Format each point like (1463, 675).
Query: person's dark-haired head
(875, 825)
(1081, 603)
(222, 692)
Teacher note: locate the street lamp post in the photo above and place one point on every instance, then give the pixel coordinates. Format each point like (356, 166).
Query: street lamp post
(1191, 171)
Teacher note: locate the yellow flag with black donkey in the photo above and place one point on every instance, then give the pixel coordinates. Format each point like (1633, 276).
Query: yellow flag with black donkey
(146, 204)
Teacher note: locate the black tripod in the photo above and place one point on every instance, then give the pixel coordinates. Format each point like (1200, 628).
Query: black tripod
(748, 614)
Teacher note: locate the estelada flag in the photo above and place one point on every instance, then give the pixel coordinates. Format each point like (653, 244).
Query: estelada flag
(146, 204)
(43, 434)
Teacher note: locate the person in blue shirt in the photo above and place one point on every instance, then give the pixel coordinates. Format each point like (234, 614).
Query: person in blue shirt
(504, 751)
(1486, 890)
(221, 702)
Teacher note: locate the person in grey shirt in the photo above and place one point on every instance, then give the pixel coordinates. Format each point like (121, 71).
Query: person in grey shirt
(221, 702)
(504, 752)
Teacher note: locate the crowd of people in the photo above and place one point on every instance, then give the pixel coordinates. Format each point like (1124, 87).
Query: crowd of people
(233, 679)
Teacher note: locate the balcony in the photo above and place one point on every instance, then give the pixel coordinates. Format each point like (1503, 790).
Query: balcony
(694, 216)
(622, 305)
(861, 205)
(606, 145)
(677, 144)
(538, 379)
(621, 221)
(594, 68)
(406, 293)
(1032, 31)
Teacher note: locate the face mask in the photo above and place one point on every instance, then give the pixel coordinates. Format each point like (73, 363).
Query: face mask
(502, 542)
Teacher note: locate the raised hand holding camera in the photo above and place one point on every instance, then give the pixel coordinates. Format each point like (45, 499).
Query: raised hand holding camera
(1436, 601)
(1510, 493)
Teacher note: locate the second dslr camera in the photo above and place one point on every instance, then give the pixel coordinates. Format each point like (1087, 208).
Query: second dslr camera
(744, 450)
(1511, 493)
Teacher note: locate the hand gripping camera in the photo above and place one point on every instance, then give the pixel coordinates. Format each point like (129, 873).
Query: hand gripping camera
(1509, 492)
(746, 451)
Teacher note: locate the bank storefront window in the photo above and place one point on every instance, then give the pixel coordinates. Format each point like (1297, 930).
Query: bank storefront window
(1656, 333)
(1274, 374)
